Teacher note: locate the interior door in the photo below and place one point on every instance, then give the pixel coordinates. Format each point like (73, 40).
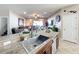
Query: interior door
(69, 25)
(3, 24)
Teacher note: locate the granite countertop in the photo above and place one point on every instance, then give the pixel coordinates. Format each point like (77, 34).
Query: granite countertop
(12, 37)
(9, 37)
(50, 34)
(15, 48)
(10, 44)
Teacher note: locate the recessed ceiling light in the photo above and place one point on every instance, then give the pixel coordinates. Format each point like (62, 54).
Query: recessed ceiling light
(24, 12)
(45, 12)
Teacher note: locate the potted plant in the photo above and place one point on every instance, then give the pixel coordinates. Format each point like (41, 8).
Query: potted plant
(55, 29)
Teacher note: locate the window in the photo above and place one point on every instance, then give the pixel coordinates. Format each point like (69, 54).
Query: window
(37, 23)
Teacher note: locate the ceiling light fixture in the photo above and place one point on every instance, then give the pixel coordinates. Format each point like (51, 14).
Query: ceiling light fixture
(35, 15)
(24, 12)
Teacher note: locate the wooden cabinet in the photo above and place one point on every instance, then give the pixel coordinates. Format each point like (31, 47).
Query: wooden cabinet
(47, 49)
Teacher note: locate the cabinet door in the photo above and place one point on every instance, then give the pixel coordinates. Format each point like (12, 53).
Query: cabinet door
(47, 49)
(70, 27)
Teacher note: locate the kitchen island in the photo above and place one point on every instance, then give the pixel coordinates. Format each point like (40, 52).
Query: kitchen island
(12, 45)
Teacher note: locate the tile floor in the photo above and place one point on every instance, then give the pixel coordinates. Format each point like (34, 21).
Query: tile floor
(66, 47)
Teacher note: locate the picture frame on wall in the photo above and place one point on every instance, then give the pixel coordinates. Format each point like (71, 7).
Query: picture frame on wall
(58, 18)
(20, 22)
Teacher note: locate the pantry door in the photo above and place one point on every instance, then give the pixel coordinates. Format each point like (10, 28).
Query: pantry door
(70, 27)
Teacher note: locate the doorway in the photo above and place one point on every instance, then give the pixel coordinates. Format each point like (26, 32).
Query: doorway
(3, 26)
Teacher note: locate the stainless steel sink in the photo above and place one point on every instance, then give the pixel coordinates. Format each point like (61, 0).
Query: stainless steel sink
(32, 43)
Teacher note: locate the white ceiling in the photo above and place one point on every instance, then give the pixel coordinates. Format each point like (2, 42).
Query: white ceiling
(44, 10)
